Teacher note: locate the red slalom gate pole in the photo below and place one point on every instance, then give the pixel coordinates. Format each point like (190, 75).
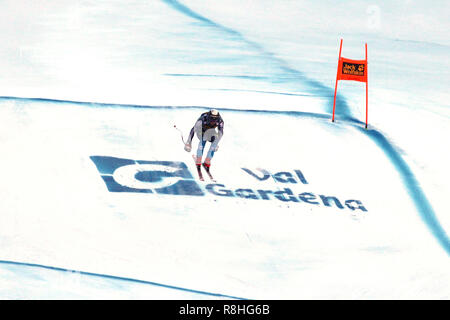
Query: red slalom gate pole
(367, 88)
(335, 88)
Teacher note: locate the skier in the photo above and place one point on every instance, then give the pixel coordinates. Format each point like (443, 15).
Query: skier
(205, 129)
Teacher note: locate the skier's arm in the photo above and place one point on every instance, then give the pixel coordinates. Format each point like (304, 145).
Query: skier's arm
(221, 125)
(197, 125)
(191, 135)
(219, 136)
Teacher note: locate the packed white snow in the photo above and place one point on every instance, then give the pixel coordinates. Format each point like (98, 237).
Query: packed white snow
(303, 208)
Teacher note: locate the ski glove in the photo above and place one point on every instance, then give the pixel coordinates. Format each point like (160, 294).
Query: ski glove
(187, 147)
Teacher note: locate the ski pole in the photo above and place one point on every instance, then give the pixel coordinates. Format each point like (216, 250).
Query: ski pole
(181, 133)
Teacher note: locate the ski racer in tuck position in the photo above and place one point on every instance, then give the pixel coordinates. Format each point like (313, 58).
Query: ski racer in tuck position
(208, 128)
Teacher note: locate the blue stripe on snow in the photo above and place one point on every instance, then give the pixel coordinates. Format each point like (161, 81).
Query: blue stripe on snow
(421, 202)
(33, 265)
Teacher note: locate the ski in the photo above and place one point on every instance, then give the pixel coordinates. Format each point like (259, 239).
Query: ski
(208, 172)
(199, 169)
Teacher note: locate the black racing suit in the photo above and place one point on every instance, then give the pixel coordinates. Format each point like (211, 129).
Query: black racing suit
(205, 128)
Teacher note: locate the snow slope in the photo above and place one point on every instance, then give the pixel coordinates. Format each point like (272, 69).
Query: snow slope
(92, 87)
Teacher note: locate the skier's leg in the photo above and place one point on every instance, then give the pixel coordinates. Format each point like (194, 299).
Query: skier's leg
(201, 146)
(212, 150)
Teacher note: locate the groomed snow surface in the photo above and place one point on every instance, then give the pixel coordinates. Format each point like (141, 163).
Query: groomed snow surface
(100, 201)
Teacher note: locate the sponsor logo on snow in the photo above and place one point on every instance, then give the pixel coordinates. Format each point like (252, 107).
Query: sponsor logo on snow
(163, 177)
(174, 178)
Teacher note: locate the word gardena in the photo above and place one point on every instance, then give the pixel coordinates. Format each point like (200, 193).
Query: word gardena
(285, 195)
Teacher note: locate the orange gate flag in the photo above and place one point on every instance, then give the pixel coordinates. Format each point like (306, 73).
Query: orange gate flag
(352, 70)
(355, 70)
